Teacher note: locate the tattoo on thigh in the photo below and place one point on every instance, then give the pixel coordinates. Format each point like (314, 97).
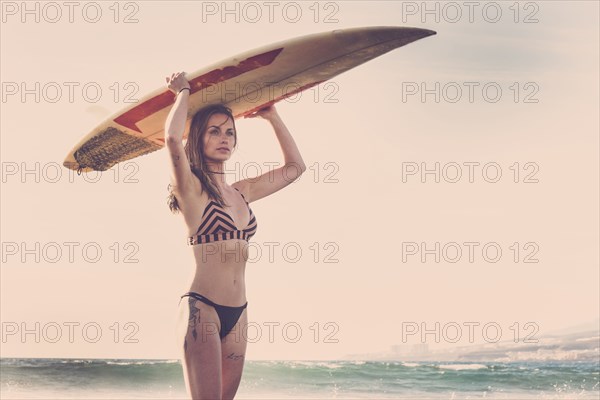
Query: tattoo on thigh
(235, 357)
(193, 320)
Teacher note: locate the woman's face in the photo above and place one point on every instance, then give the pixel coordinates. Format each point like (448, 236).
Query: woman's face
(219, 137)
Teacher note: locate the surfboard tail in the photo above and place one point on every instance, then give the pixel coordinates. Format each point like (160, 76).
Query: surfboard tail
(107, 148)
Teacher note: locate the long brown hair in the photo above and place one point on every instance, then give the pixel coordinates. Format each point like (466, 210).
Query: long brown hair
(194, 150)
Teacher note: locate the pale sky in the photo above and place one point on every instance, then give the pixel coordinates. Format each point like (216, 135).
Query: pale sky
(357, 203)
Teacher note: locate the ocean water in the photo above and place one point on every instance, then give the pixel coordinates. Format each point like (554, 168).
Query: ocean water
(162, 379)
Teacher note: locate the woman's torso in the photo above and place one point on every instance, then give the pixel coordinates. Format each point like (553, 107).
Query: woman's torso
(220, 264)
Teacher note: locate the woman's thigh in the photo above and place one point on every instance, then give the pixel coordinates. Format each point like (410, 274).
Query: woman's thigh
(198, 328)
(233, 348)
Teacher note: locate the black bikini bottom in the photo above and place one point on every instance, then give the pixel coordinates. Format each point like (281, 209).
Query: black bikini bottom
(228, 316)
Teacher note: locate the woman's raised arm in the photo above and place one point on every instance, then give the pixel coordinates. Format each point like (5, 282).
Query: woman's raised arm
(272, 181)
(181, 173)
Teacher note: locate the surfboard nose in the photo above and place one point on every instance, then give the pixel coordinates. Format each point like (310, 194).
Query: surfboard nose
(429, 32)
(381, 36)
(410, 34)
(395, 37)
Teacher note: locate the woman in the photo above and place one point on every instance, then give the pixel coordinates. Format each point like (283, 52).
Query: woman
(220, 223)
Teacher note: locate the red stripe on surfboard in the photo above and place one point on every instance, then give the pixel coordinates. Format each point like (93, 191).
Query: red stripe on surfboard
(157, 103)
(271, 102)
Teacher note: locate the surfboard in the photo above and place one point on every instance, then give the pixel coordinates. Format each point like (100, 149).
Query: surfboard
(245, 83)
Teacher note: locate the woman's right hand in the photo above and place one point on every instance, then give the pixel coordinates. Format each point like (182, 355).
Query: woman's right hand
(177, 82)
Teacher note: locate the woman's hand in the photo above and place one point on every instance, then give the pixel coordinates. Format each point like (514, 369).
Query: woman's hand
(177, 82)
(267, 113)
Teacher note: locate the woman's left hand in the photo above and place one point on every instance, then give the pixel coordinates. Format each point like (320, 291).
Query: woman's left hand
(266, 113)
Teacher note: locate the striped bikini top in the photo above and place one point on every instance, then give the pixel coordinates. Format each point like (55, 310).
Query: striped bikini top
(217, 225)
